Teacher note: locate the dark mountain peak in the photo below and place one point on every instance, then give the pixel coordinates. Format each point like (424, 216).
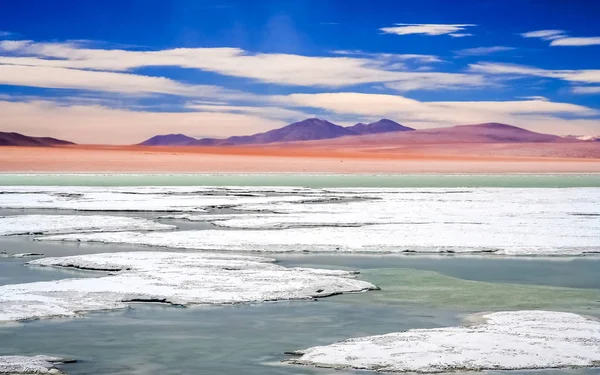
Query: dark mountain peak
(17, 139)
(382, 126)
(169, 140)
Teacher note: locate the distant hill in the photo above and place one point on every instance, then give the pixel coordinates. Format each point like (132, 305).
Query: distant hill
(306, 130)
(169, 139)
(478, 133)
(381, 126)
(16, 139)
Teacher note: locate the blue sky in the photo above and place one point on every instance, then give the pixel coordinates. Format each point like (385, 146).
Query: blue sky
(120, 72)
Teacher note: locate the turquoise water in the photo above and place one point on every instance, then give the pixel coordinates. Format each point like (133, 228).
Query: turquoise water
(310, 180)
(251, 339)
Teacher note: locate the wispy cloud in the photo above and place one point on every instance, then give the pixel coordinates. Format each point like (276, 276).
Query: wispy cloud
(391, 56)
(544, 34)
(561, 38)
(482, 51)
(427, 29)
(126, 83)
(4, 34)
(283, 69)
(576, 42)
(586, 90)
(460, 35)
(579, 76)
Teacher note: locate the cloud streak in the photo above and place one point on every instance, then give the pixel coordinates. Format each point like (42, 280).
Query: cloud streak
(283, 69)
(577, 76)
(482, 51)
(126, 83)
(561, 38)
(427, 29)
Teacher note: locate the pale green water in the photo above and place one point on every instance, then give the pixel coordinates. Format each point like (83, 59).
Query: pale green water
(250, 339)
(411, 287)
(306, 180)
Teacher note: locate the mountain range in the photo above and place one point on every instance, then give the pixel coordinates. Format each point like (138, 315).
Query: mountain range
(16, 139)
(306, 130)
(318, 132)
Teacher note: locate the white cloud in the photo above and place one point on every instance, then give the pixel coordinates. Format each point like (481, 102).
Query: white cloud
(426, 29)
(586, 90)
(278, 113)
(560, 38)
(544, 34)
(576, 42)
(460, 35)
(440, 81)
(98, 124)
(395, 56)
(480, 51)
(535, 97)
(540, 115)
(284, 69)
(579, 76)
(46, 77)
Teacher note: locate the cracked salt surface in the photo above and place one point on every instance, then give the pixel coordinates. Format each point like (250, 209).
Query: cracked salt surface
(455, 238)
(174, 278)
(503, 341)
(39, 364)
(55, 224)
(143, 199)
(500, 221)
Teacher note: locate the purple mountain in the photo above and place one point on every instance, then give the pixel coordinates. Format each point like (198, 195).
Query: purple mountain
(169, 140)
(381, 126)
(16, 139)
(306, 130)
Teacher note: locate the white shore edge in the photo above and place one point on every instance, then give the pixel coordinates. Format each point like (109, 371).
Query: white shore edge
(172, 278)
(25, 365)
(515, 340)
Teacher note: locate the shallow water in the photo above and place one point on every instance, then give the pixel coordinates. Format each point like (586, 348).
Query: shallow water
(307, 180)
(251, 339)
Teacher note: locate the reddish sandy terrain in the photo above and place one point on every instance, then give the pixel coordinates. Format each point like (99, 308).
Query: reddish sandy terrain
(308, 157)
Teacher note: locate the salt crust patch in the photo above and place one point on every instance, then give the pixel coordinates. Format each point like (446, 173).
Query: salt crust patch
(391, 238)
(54, 224)
(146, 198)
(21, 365)
(175, 278)
(504, 341)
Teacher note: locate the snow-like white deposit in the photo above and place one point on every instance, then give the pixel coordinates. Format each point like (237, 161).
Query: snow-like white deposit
(21, 365)
(505, 340)
(175, 278)
(54, 224)
(143, 198)
(385, 238)
(500, 220)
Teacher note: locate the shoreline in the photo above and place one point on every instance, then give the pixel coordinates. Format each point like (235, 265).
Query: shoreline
(277, 160)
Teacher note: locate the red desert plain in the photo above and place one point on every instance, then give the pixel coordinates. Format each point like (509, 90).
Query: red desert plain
(482, 148)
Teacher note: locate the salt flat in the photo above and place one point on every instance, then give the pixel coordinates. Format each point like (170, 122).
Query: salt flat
(54, 224)
(503, 341)
(22, 365)
(174, 278)
(491, 220)
(144, 199)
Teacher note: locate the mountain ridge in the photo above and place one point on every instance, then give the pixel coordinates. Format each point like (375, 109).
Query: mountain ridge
(305, 130)
(18, 139)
